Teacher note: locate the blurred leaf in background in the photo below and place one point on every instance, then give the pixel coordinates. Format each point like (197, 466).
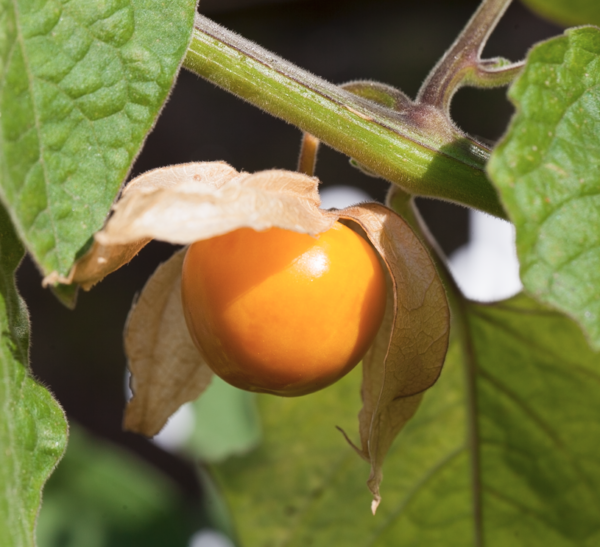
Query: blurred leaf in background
(104, 496)
(567, 12)
(226, 423)
(222, 423)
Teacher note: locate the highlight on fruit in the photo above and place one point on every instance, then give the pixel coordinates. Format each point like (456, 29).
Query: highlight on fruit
(281, 312)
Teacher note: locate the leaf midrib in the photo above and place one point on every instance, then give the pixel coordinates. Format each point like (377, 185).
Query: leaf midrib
(560, 445)
(473, 441)
(21, 41)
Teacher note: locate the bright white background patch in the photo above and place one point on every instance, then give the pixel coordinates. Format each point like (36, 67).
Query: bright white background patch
(342, 196)
(178, 430)
(210, 538)
(487, 268)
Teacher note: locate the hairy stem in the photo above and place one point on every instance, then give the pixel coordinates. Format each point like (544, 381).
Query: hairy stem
(423, 159)
(462, 64)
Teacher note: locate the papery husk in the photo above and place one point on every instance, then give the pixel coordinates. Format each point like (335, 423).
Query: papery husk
(167, 370)
(102, 260)
(183, 204)
(190, 211)
(189, 202)
(186, 203)
(408, 353)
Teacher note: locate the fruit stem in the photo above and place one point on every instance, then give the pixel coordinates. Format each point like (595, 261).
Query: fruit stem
(308, 154)
(462, 64)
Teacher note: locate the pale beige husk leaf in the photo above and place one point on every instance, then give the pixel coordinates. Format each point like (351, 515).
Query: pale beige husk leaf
(101, 259)
(192, 210)
(188, 202)
(183, 204)
(409, 350)
(166, 368)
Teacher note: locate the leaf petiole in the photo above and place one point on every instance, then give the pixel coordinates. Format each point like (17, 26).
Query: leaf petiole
(462, 65)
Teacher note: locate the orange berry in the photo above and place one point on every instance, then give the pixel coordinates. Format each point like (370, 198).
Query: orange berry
(281, 312)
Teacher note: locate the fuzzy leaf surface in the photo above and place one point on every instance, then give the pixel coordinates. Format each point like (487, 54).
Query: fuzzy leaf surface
(567, 12)
(119, 499)
(547, 169)
(537, 481)
(82, 84)
(33, 429)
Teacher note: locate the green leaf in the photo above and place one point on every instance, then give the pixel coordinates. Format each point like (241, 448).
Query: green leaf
(567, 12)
(507, 457)
(537, 425)
(226, 422)
(33, 430)
(301, 453)
(117, 500)
(82, 84)
(547, 169)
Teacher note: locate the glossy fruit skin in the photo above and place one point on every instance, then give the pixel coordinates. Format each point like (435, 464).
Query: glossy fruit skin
(281, 312)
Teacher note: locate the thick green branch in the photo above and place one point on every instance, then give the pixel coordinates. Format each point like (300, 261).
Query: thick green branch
(401, 146)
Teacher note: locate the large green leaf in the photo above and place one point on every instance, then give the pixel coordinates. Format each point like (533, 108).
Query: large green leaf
(567, 12)
(508, 457)
(81, 85)
(103, 496)
(33, 430)
(547, 169)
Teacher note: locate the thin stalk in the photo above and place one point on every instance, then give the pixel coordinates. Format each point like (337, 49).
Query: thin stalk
(308, 154)
(494, 73)
(462, 63)
(405, 206)
(445, 164)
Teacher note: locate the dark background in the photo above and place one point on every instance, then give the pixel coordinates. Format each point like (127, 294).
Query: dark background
(79, 354)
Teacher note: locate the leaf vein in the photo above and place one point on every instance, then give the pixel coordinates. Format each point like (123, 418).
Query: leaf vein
(20, 39)
(528, 411)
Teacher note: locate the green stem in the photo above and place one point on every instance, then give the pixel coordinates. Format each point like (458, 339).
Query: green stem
(462, 64)
(495, 73)
(422, 158)
(404, 205)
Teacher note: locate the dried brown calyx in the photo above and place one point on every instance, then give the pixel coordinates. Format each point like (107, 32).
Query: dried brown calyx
(191, 202)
